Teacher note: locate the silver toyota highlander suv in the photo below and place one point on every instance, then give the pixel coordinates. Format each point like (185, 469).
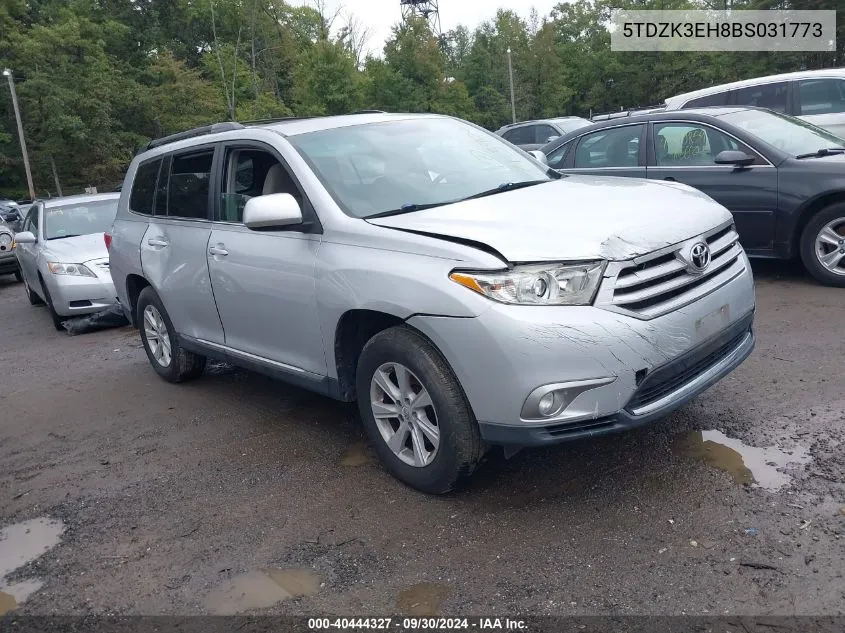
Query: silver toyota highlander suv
(461, 292)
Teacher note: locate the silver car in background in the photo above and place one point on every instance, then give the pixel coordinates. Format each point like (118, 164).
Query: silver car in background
(63, 256)
(462, 292)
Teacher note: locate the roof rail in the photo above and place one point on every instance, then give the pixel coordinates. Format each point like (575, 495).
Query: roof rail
(624, 113)
(273, 120)
(214, 128)
(369, 112)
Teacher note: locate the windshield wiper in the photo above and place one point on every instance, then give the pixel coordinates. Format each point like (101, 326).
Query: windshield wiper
(406, 208)
(824, 151)
(61, 237)
(505, 186)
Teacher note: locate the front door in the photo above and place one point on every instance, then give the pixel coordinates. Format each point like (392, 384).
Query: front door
(27, 254)
(263, 281)
(686, 151)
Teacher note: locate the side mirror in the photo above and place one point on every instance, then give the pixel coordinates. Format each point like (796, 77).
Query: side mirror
(26, 237)
(552, 138)
(733, 157)
(540, 156)
(275, 210)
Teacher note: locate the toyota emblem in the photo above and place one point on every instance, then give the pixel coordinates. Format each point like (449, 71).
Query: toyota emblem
(699, 256)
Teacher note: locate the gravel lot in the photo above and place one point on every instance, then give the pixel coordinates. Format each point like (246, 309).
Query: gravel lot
(238, 493)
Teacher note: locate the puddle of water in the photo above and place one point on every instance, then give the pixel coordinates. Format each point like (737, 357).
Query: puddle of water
(20, 544)
(7, 603)
(748, 465)
(261, 589)
(357, 455)
(422, 599)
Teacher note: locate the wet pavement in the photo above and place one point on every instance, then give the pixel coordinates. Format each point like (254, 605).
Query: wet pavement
(235, 493)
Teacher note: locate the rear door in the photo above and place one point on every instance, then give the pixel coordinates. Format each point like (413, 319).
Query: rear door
(263, 281)
(685, 152)
(611, 151)
(173, 249)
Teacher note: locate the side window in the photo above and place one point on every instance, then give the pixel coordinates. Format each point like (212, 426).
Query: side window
(614, 147)
(718, 99)
(544, 132)
(692, 145)
(162, 187)
(250, 173)
(524, 135)
(31, 222)
(557, 158)
(821, 96)
(143, 188)
(187, 190)
(771, 96)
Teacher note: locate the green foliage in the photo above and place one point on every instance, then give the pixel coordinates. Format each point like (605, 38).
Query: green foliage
(98, 78)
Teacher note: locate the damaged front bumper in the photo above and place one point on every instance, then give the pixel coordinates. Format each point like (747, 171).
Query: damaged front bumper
(613, 371)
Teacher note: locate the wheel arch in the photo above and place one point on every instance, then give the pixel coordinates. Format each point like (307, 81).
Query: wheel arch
(134, 285)
(806, 213)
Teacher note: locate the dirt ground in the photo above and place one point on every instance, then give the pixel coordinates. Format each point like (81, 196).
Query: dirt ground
(236, 493)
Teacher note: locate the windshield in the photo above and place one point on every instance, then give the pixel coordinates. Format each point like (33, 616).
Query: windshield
(382, 167)
(793, 136)
(81, 218)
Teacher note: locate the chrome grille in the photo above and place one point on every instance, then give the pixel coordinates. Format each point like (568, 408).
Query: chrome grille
(658, 283)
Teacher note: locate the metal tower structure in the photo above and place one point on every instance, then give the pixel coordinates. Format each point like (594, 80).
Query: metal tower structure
(427, 9)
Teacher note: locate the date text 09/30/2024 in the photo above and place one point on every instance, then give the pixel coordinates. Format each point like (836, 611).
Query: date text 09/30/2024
(416, 624)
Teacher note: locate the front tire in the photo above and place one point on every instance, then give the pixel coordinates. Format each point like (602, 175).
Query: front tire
(169, 359)
(415, 412)
(34, 299)
(54, 316)
(823, 245)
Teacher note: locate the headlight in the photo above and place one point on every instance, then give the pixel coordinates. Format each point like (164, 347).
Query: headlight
(537, 284)
(76, 270)
(5, 239)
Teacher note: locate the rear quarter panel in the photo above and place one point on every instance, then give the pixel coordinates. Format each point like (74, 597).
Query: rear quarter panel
(127, 231)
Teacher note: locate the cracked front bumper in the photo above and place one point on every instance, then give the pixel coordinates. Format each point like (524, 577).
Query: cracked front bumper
(502, 356)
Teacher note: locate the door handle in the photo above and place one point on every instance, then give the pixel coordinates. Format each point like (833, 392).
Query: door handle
(218, 250)
(670, 179)
(155, 241)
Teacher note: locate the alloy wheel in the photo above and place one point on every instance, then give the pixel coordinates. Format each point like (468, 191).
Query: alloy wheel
(404, 414)
(830, 246)
(158, 338)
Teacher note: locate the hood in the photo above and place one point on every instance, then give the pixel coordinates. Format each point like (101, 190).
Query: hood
(76, 250)
(577, 217)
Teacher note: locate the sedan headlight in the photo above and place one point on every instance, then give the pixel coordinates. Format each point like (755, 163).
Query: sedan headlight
(5, 239)
(537, 284)
(75, 270)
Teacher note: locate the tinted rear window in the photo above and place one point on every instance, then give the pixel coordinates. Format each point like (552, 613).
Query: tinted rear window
(718, 99)
(143, 189)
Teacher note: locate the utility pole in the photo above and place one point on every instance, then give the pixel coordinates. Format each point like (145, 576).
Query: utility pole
(8, 75)
(513, 97)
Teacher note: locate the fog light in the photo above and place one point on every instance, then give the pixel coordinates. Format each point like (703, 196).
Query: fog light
(548, 404)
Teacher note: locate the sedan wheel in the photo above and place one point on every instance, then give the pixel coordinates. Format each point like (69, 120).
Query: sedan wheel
(404, 414)
(830, 246)
(157, 336)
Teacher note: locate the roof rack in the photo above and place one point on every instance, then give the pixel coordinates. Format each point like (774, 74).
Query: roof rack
(214, 128)
(228, 126)
(625, 113)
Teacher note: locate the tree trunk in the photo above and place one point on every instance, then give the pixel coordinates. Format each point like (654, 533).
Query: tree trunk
(55, 175)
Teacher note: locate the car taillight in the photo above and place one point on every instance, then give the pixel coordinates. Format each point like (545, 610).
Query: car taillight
(107, 239)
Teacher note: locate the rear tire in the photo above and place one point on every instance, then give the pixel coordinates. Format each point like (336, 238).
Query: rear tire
(54, 317)
(824, 238)
(412, 456)
(169, 359)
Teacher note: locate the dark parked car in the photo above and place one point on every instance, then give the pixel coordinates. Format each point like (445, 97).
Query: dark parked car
(12, 213)
(782, 178)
